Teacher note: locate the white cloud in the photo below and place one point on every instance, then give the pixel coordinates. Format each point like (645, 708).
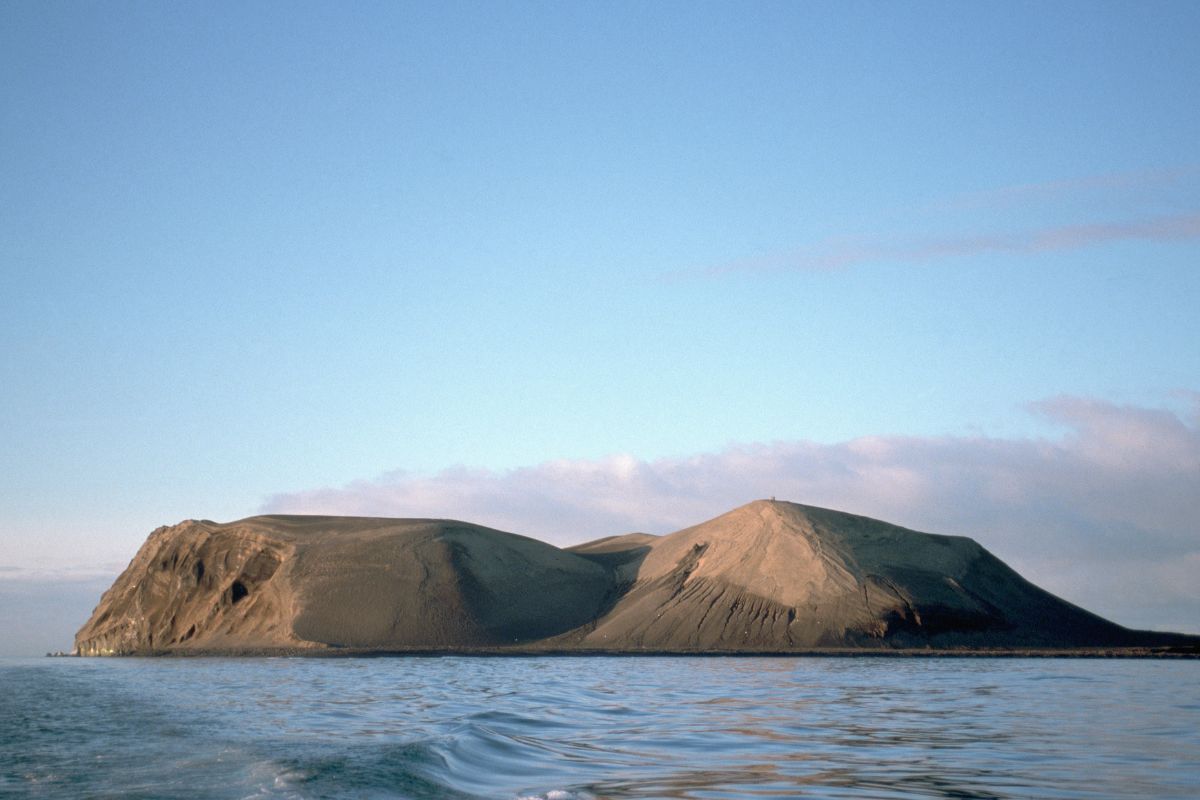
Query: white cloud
(1106, 515)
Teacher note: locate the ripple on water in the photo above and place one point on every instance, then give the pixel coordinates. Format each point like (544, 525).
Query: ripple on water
(588, 729)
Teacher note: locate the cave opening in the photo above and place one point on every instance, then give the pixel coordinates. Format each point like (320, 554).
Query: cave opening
(237, 591)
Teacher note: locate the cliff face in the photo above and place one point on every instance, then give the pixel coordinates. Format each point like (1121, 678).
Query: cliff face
(196, 584)
(768, 576)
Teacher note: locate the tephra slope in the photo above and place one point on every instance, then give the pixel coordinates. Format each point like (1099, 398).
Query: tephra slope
(766, 577)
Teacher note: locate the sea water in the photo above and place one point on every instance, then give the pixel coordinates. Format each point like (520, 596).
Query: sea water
(599, 727)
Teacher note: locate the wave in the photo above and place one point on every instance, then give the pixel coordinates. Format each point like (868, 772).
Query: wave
(595, 729)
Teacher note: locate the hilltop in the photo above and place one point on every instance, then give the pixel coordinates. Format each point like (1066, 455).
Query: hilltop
(766, 577)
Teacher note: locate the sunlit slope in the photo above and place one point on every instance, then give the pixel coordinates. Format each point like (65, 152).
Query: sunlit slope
(768, 576)
(778, 576)
(291, 581)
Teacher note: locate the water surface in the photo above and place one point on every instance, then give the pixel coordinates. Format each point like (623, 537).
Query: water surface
(565, 728)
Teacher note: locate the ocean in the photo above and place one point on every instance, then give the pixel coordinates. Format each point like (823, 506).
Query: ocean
(568, 728)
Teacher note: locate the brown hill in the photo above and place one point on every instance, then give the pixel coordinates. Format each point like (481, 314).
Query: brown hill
(769, 576)
(780, 576)
(302, 582)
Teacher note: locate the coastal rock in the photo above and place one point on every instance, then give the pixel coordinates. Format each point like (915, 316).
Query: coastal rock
(766, 577)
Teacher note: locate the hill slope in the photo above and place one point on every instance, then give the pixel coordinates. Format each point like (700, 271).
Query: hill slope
(779, 576)
(769, 576)
(286, 582)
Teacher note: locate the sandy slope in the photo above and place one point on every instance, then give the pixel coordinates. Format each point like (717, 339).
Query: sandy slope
(774, 575)
(768, 576)
(285, 582)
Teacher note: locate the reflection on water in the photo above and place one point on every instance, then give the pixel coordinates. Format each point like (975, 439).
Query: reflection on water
(567, 728)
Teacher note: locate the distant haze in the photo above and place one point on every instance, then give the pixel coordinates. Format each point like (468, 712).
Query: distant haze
(39, 616)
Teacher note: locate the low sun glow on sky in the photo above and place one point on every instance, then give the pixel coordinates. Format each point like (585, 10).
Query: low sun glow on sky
(443, 259)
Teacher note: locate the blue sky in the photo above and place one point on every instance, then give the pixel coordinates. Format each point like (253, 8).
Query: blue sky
(250, 253)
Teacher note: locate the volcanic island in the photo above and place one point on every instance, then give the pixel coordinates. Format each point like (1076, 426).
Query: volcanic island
(770, 577)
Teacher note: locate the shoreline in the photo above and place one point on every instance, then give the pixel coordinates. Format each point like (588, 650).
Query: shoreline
(1191, 652)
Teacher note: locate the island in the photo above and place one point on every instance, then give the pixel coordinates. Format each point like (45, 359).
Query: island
(769, 577)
